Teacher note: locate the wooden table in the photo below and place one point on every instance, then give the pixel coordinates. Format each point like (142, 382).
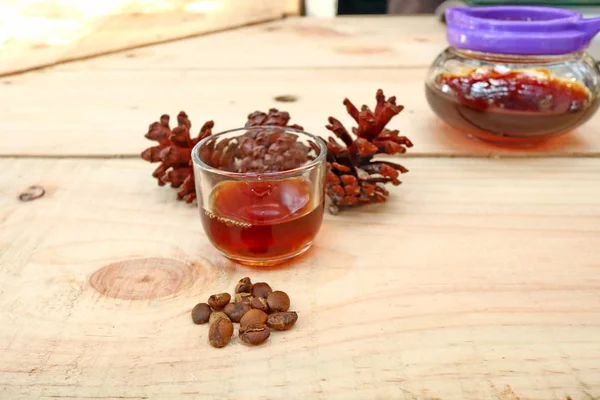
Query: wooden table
(38, 34)
(479, 279)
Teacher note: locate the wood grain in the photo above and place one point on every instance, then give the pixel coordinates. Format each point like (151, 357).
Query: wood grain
(105, 112)
(477, 280)
(293, 7)
(129, 24)
(301, 42)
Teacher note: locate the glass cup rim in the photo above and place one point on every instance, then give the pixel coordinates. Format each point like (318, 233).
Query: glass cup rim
(261, 176)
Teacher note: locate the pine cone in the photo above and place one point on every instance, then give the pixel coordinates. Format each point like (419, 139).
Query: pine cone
(273, 118)
(174, 152)
(265, 150)
(271, 149)
(353, 177)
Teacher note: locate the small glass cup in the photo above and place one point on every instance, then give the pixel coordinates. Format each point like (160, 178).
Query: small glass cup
(261, 192)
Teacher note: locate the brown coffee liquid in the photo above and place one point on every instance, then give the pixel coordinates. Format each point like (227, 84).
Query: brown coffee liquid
(514, 106)
(263, 220)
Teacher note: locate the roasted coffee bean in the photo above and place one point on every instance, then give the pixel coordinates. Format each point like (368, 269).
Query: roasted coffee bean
(216, 315)
(278, 301)
(235, 311)
(260, 304)
(201, 313)
(245, 298)
(261, 289)
(282, 321)
(254, 334)
(218, 301)
(244, 286)
(252, 317)
(220, 332)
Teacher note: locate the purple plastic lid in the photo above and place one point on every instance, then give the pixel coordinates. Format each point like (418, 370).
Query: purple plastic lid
(519, 30)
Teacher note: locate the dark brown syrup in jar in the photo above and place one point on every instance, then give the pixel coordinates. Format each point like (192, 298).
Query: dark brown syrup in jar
(510, 106)
(262, 220)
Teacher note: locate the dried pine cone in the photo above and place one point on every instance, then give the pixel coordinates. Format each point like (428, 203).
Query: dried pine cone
(174, 152)
(353, 177)
(273, 118)
(266, 150)
(271, 149)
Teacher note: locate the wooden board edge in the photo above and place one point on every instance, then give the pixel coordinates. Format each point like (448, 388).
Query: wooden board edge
(88, 47)
(294, 8)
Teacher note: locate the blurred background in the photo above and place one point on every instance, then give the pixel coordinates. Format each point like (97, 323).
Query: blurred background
(38, 33)
(350, 7)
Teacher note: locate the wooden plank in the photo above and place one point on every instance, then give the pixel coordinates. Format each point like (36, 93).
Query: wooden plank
(300, 42)
(106, 112)
(344, 41)
(293, 7)
(477, 280)
(125, 25)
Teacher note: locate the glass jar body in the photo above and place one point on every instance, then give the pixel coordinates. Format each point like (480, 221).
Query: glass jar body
(260, 218)
(513, 99)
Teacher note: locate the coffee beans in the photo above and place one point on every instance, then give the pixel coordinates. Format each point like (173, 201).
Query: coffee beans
(244, 286)
(278, 301)
(253, 317)
(201, 313)
(255, 334)
(257, 308)
(218, 301)
(261, 289)
(220, 332)
(235, 311)
(260, 304)
(216, 315)
(245, 298)
(282, 321)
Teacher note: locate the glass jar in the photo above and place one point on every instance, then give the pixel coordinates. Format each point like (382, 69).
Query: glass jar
(515, 75)
(261, 192)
